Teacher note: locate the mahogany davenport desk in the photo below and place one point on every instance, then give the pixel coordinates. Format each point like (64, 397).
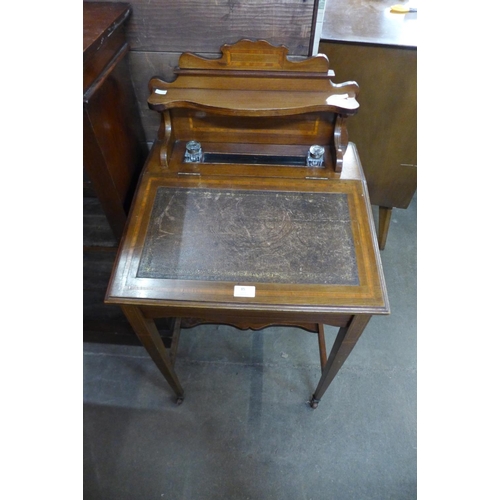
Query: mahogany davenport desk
(252, 209)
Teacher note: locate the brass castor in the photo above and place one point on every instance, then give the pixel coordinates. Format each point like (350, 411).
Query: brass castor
(314, 402)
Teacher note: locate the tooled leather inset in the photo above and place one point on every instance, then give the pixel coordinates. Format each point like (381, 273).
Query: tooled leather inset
(250, 236)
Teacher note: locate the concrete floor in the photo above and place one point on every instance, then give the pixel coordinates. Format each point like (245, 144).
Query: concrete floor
(245, 430)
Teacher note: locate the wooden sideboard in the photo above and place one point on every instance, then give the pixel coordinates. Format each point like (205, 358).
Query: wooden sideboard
(367, 43)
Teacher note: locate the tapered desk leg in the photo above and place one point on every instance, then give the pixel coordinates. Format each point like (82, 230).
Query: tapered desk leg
(150, 338)
(384, 221)
(342, 347)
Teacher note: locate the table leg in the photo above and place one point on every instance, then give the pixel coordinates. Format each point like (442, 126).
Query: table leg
(342, 347)
(384, 220)
(149, 336)
(322, 346)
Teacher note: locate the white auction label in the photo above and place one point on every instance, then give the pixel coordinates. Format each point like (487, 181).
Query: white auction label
(244, 291)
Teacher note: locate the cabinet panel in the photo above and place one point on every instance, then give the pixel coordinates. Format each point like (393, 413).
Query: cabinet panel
(385, 128)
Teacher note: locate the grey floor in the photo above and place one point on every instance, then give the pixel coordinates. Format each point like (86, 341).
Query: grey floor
(245, 430)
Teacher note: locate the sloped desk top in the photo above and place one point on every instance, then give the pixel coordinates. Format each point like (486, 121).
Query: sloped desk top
(305, 244)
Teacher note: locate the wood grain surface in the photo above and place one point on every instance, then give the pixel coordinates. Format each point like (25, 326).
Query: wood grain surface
(201, 26)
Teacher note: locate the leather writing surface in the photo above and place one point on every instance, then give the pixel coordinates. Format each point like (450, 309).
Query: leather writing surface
(249, 236)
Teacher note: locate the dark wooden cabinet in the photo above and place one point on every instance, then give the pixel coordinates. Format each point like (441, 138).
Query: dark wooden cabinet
(114, 146)
(114, 150)
(378, 49)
